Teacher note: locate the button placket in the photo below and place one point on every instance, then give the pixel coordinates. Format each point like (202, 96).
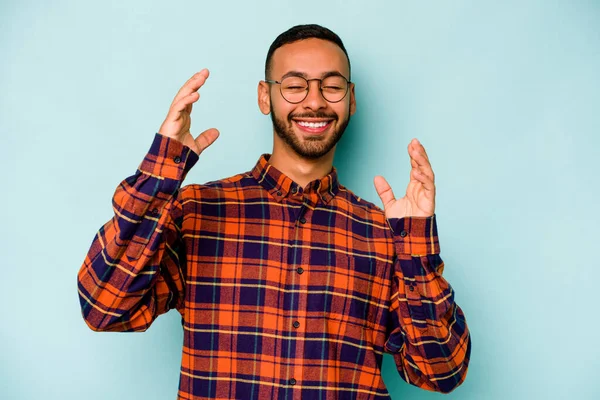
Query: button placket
(302, 215)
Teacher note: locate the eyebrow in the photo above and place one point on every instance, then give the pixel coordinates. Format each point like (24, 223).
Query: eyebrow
(303, 75)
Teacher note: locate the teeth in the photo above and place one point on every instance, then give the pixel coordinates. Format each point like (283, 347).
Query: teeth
(312, 124)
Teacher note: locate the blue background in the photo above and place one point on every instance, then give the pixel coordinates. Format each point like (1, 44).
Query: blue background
(505, 98)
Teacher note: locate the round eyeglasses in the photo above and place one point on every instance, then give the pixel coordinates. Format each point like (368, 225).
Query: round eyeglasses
(294, 89)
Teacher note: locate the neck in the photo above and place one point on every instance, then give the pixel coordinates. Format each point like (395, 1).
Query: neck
(300, 170)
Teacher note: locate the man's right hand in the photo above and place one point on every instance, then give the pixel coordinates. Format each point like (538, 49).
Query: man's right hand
(178, 121)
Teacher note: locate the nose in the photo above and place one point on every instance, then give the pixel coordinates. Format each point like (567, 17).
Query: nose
(314, 99)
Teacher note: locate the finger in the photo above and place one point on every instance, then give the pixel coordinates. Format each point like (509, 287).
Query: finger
(416, 145)
(183, 105)
(418, 155)
(427, 182)
(192, 85)
(188, 108)
(423, 169)
(424, 152)
(206, 138)
(419, 159)
(384, 190)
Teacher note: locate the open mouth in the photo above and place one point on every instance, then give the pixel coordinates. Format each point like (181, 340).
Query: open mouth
(313, 126)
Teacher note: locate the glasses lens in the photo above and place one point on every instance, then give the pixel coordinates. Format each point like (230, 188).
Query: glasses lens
(294, 89)
(334, 88)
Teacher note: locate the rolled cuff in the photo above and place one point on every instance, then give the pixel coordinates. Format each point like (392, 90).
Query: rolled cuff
(168, 158)
(416, 236)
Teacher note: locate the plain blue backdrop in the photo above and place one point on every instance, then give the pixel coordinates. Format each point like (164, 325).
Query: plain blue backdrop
(505, 96)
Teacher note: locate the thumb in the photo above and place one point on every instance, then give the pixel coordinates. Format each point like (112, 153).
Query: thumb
(384, 190)
(206, 138)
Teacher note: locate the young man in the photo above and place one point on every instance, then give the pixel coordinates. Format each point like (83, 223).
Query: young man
(289, 285)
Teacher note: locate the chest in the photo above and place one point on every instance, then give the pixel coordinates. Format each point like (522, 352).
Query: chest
(255, 262)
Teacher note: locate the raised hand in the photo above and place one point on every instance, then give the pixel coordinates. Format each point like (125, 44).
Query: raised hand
(419, 200)
(178, 120)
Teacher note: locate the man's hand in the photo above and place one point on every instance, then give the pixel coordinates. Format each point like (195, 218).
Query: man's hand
(178, 121)
(419, 200)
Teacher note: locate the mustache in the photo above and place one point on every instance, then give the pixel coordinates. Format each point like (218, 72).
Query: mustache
(313, 115)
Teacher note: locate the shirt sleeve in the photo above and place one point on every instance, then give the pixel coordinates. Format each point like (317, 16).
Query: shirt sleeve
(427, 332)
(135, 267)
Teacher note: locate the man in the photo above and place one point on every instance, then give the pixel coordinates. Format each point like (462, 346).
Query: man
(289, 285)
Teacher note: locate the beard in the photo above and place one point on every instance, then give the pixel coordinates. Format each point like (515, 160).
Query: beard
(312, 147)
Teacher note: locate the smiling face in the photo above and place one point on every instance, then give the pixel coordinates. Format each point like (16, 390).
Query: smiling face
(312, 127)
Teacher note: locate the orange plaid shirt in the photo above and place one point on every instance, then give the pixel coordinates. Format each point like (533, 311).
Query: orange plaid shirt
(285, 292)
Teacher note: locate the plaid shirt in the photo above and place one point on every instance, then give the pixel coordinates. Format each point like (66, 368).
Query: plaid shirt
(285, 292)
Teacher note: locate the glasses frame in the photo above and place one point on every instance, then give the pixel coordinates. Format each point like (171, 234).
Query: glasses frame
(348, 82)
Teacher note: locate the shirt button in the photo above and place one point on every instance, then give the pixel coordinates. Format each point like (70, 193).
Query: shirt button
(292, 381)
(300, 270)
(278, 193)
(296, 324)
(403, 233)
(177, 159)
(294, 190)
(302, 220)
(412, 289)
(154, 211)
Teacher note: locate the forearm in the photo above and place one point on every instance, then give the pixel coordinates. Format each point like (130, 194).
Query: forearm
(131, 273)
(429, 336)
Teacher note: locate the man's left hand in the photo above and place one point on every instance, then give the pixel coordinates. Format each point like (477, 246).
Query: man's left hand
(419, 200)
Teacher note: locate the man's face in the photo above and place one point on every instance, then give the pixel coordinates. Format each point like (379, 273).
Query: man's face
(312, 127)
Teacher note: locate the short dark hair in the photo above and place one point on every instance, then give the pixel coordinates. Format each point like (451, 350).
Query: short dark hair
(302, 32)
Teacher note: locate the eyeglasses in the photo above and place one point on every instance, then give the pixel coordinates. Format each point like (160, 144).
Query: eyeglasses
(294, 89)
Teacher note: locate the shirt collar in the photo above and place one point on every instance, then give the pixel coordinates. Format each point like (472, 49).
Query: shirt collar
(280, 185)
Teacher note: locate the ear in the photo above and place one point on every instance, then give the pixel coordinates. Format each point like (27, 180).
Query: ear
(352, 100)
(264, 100)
